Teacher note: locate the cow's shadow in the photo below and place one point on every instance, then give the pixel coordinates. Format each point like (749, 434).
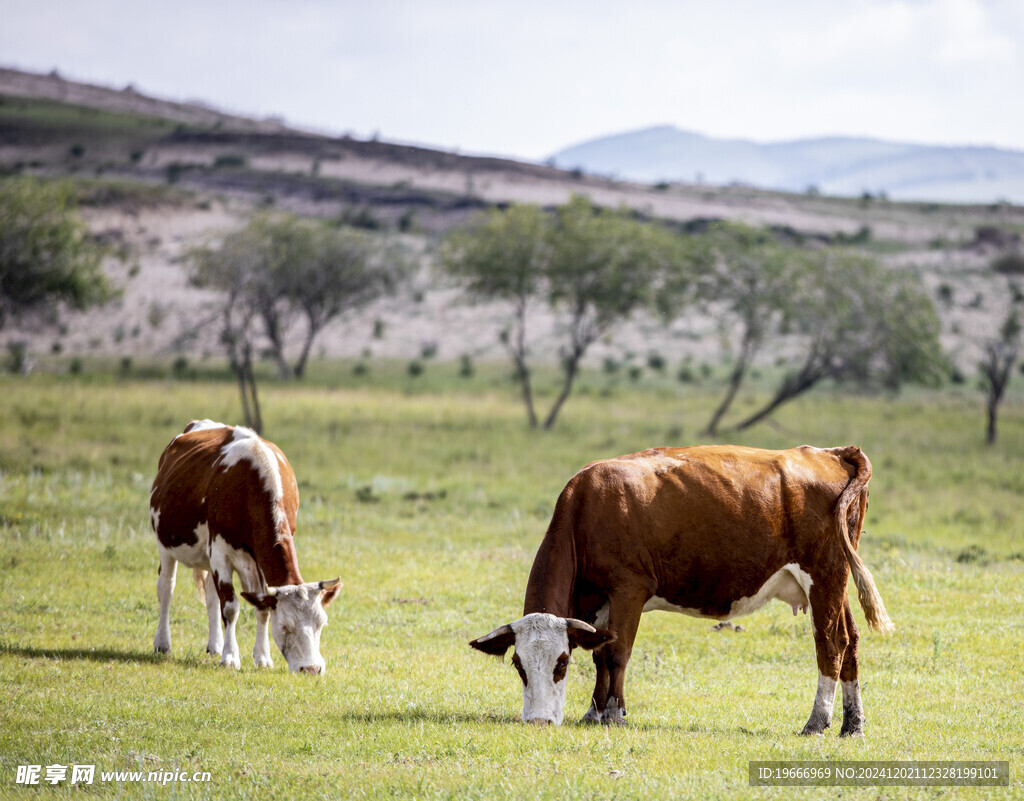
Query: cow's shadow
(86, 654)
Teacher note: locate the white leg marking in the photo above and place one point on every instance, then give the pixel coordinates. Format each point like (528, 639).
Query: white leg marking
(164, 592)
(821, 715)
(215, 640)
(614, 715)
(261, 649)
(853, 711)
(229, 654)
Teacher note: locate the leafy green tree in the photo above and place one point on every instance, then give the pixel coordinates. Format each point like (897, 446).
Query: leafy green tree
(230, 268)
(283, 270)
(592, 267)
(505, 256)
(859, 322)
(47, 257)
(604, 266)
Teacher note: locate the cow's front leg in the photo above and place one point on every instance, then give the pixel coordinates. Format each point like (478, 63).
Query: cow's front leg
(215, 639)
(600, 697)
(261, 649)
(623, 619)
(167, 572)
(229, 615)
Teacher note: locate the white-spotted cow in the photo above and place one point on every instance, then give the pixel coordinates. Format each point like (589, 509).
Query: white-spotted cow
(708, 531)
(225, 501)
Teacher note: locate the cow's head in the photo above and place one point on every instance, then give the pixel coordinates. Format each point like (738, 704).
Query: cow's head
(543, 646)
(297, 617)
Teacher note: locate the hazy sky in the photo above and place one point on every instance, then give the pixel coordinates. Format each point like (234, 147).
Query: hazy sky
(527, 77)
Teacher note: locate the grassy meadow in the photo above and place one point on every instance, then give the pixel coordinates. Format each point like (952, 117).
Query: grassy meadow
(429, 498)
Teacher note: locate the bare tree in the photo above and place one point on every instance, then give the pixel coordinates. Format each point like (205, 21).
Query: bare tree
(1000, 355)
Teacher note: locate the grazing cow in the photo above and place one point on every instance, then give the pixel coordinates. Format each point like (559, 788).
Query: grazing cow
(709, 531)
(224, 500)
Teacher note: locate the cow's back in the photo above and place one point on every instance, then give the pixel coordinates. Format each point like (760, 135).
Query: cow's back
(704, 523)
(228, 479)
(180, 490)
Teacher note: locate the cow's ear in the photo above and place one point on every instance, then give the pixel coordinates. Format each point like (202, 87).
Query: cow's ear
(329, 589)
(497, 642)
(261, 600)
(589, 640)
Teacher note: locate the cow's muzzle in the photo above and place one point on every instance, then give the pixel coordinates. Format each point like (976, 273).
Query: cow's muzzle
(314, 670)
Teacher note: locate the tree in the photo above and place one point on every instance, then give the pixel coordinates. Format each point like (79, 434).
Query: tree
(345, 269)
(604, 265)
(753, 278)
(284, 270)
(860, 323)
(505, 256)
(230, 268)
(47, 257)
(592, 267)
(1000, 355)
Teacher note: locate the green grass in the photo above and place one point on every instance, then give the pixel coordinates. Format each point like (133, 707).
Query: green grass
(429, 498)
(37, 121)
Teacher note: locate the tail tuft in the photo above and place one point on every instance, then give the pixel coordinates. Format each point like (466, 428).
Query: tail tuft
(856, 490)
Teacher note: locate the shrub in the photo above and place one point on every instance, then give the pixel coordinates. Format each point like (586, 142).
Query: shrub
(1009, 264)
(229, 161)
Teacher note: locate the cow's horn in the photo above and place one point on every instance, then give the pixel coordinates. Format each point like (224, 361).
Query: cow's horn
(573, 623)
(326, 584)
(271, 590)
(498, 632)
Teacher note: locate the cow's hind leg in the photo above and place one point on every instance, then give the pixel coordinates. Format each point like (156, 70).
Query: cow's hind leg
(167, 573)
(853, 712)
(830, 641)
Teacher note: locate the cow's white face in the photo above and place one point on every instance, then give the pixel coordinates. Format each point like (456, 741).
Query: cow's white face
(543, 646)
(297, 618)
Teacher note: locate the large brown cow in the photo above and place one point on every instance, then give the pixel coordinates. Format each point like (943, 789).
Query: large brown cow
(708, 531)
(224, 500)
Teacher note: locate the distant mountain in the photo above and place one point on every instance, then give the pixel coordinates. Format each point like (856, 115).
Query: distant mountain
(832, 166)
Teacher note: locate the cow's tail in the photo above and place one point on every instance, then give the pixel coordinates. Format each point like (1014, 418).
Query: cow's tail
(856, 492)
(199, 577)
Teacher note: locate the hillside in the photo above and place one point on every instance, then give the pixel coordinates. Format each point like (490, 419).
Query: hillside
(832, 166)
(157, 177)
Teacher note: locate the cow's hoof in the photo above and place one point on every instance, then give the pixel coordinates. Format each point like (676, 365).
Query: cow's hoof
(231, 662)
(614, 715)
(853, 730)
(592, 717)
(161, 647)
(264, 662)
(812, 731)
(214, 649)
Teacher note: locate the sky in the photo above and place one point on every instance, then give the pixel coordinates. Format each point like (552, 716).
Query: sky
(526, 78)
